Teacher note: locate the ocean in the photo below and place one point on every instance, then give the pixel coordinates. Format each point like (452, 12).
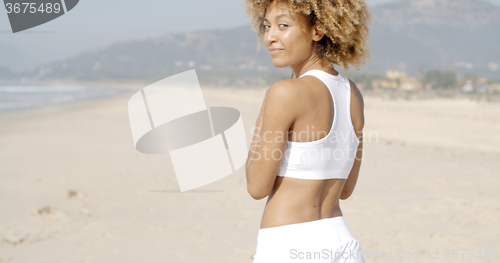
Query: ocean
(19, 97)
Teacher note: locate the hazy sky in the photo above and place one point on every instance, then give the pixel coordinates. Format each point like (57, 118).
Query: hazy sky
(97, 23)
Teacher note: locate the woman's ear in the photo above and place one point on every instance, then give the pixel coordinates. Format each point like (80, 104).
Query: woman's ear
(317, 34)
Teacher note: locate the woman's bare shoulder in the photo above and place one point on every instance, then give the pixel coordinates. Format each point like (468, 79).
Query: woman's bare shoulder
(288, 91)
(301, 91)
(297, 85)
(288, 87)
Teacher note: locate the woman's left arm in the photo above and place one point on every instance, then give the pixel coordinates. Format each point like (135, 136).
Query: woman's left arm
(279, 111)
(258, 127)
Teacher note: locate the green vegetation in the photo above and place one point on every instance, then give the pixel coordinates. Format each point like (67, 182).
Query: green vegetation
(494, 81)
(440, 79)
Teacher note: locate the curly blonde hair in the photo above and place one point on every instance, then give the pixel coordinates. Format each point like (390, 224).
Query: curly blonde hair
(344, 22)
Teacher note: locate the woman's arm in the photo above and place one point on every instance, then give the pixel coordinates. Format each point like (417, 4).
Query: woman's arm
(353, 175)
(357, 111)
(256, 136)
(278, 113)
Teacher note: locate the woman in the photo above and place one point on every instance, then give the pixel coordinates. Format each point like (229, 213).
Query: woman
(307, 149)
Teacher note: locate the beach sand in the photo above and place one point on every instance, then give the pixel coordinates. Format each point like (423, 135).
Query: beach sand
(74, 189)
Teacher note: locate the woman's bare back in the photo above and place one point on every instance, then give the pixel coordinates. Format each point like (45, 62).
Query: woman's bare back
(300, 200)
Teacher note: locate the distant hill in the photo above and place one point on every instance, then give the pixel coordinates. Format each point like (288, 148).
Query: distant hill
(214, 52)
(454, 13)
(460, 35)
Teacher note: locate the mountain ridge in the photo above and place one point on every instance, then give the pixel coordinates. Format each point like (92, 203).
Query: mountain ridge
(470, 13)
(421, 43)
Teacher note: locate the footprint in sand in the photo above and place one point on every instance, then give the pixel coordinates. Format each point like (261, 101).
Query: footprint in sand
(44, 223)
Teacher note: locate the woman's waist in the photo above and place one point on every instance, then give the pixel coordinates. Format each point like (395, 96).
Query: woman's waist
(281, 213)
(269, 223)
(332, 228)
(292, 201)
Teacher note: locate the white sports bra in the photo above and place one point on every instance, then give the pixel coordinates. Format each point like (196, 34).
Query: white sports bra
(333, 155)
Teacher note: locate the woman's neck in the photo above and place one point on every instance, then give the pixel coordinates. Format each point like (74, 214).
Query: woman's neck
(318, 66)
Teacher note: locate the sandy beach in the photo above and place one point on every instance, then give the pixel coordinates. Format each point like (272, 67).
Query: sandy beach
(74, 189)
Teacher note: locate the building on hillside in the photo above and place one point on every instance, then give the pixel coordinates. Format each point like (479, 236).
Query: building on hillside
(395, 75)
(411, 84)
(479, 85)
(397, 80)
(384, 84)
(468, 87)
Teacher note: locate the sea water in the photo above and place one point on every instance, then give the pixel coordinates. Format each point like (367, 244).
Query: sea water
(17, 97)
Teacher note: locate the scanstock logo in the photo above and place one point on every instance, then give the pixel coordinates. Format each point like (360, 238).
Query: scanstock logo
(170, 116)
(24, 14)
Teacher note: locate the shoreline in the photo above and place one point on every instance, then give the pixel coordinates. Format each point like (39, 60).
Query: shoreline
(126, 88)
(407, 95)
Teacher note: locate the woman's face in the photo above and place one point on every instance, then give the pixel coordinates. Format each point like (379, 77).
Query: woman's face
(287, 37)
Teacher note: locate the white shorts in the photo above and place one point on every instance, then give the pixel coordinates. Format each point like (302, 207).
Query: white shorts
(327, 240)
